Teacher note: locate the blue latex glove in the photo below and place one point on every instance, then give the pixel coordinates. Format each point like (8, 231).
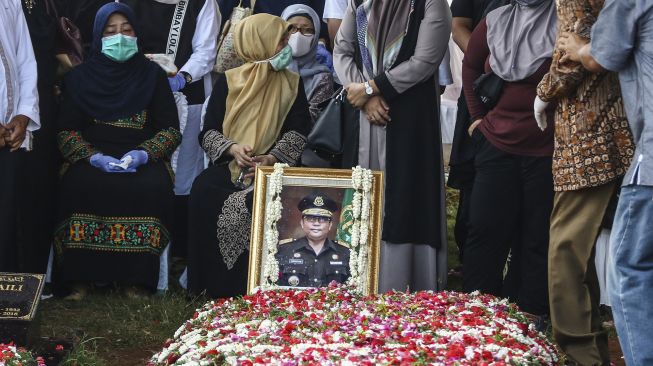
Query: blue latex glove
(177, 82)
(324, 57)
(139, 157)
(101, 162)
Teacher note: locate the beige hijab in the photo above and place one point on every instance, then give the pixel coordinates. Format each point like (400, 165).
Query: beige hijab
(259, 98)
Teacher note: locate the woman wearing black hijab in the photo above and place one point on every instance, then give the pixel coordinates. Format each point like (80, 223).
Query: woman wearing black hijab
(117, 129)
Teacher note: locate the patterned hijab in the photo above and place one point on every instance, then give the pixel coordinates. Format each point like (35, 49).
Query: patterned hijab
(259, 98)
(521, 37)
(382, 26)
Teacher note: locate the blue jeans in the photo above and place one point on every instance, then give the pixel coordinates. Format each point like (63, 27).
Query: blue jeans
(631, 274)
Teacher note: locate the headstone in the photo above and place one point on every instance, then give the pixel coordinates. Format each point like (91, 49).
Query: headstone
(19, 298)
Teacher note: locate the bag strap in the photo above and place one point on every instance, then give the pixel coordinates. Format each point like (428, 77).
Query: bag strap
(227, 24)
(174, 36)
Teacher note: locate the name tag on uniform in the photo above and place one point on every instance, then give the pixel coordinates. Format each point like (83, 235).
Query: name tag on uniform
(334, 263)
(295, 261)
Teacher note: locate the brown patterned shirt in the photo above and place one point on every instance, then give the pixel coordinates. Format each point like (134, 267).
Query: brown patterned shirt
(593, 144)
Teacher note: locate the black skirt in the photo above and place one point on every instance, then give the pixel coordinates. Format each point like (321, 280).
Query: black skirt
(113, 226)
(207, 270)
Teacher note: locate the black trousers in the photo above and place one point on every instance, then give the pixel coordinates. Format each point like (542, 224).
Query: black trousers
(9, 201)
(39, 180)
(461, 172)
(511, 203)
(461, 226)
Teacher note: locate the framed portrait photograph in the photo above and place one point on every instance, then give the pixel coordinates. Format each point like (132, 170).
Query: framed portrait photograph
(312, 227)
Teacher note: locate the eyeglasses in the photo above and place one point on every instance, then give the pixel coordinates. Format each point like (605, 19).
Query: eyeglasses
(305, 31)
(320, 219)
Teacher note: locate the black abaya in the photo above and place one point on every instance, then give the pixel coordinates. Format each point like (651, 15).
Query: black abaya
(114, 226)
(213, 191)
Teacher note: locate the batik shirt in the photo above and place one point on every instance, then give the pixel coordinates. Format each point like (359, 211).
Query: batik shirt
(593, 144)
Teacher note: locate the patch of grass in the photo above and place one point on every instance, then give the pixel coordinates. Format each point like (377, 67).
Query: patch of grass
(85, 353)
(107, 328)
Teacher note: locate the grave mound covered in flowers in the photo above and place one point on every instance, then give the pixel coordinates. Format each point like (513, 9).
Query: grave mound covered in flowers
(10, 355)
(334, 326)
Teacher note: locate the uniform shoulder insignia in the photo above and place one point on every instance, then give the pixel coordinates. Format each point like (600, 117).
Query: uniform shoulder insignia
(342, 244)
(286, 241)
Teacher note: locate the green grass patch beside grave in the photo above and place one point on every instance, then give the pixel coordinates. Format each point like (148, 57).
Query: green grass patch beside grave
(108, 328)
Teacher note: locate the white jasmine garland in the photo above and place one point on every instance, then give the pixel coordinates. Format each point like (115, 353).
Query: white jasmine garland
(353, 268)
(356, 204)
(362, 184)
(271, 234)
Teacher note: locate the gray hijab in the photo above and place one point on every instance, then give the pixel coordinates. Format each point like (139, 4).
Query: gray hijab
(307, 65)
(521, 36)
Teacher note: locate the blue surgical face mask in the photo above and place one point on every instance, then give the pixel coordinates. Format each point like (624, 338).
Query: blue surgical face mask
(119, 47)
(281, 60)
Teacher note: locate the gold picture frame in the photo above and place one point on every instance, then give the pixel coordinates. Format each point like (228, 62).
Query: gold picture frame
(295, 183)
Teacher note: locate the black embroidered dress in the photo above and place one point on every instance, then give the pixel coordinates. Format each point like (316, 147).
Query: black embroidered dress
(114, 226)
(220, 214)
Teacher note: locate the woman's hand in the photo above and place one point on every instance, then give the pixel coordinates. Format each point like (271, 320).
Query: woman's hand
(571, 43)
(265, 160)
(241, 153)
(473, 126)
(356, 95)
(377, 111)
(262, 160)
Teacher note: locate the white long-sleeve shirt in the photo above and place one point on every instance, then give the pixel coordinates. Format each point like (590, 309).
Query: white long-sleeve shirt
(205, 43)
(18, 77)
(334, 9)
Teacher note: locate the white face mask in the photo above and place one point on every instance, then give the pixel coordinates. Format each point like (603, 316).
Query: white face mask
(300, 44)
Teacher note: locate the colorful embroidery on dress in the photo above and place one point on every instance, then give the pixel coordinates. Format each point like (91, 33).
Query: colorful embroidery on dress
(136, 121)
(162, 144)
(73, 146)
(116, 234)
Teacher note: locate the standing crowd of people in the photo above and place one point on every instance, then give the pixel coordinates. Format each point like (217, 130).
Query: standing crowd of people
(125, 141)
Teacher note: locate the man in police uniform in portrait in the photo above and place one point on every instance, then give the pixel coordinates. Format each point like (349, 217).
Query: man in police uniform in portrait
(314, 260)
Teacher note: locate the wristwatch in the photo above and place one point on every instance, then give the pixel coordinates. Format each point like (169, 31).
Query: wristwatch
(368, 89)
(187, 77)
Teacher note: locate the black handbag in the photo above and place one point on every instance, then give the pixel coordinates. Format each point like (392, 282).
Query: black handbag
(326, 137)
(68, 47)
(488, 88)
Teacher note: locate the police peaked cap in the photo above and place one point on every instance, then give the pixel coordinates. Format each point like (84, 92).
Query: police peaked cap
(317, 205)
